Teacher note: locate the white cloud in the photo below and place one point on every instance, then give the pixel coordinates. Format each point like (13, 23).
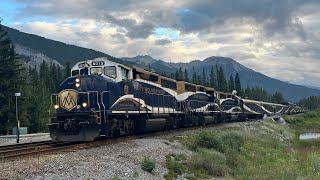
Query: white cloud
(279, 39)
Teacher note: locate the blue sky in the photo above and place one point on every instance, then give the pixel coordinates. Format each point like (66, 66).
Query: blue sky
(278, 38)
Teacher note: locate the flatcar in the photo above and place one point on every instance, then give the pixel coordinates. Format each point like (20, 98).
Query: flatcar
(104, 99)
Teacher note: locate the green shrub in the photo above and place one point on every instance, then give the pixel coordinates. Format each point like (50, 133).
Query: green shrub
(148, 164)
(209, 140)
(221, 142)
(210, 161)
(175, 165)
(310, 114)
(232, 140)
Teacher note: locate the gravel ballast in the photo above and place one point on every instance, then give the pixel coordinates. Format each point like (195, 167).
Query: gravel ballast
(116, 160)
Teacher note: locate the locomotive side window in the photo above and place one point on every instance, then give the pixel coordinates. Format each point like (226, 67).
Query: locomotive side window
(74, 72)
(110, 71)
(96, 70)
(125, 73)
(84, 71)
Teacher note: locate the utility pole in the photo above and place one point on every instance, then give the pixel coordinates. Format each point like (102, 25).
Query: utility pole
(17, 119)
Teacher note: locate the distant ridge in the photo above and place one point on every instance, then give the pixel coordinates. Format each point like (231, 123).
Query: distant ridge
(248, 76)
(35, 49)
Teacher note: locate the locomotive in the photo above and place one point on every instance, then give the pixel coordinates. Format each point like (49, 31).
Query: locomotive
(105, 99)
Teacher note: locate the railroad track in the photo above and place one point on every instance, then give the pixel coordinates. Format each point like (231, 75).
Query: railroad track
(29, 149)
(45, 147)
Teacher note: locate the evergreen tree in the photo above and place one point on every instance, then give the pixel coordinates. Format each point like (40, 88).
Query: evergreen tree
(237, 85)
(186, 78)
(213, 79)
(172, 75)
(199, 80)
(231, 84)
(194, 76)
(221, 81)
(180, 78)
(176, 75)
(277, 97)
(312, 102)
(247, 92)
(11, 81)
(204, 80)
(67, 71)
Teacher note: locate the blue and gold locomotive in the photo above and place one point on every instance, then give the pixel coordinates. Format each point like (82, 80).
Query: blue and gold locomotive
(104, 99)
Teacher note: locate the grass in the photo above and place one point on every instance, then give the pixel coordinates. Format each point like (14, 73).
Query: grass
(148, 164)
(308, 122)
(261, 150)
(175, 165)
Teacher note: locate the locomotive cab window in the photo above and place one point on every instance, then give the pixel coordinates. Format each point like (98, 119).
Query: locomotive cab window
(124, 73)
(110, 71)
(74, 72)
(84, 71)
(96, 70)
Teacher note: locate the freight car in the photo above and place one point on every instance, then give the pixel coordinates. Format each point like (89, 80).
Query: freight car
(104, 99)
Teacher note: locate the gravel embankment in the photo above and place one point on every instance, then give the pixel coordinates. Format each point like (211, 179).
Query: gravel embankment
(117, 160)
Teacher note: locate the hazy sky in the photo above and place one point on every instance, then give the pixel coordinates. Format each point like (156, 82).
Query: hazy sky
(280, 38)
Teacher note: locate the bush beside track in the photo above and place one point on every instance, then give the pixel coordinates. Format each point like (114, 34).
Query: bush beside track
(265, 150)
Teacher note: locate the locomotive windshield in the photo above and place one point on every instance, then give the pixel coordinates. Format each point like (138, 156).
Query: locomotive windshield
(84, 71)
(110, 71)
(75, 72)
(96, 70)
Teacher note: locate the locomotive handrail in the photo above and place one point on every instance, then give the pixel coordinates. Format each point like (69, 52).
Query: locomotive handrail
(98, 104)
(104, 106)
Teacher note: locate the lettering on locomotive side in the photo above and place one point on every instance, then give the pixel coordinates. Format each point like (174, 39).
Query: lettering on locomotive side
(138, 87)
(154, 91)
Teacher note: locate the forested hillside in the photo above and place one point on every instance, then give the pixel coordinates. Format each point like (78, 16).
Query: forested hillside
(62, 52)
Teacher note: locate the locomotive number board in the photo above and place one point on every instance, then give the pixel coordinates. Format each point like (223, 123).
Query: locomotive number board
(97, 63)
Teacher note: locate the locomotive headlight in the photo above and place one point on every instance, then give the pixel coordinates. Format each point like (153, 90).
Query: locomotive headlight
(77, 80)
(84, 104)
(56, 106)
(77, 85)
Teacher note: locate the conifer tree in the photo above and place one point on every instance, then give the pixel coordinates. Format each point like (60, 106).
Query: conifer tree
(194, 76)
(11, 81)
(277, 97)
(199, 80)
(204, 80)
(231, 84)
(67, 71)
(180, 78)
(176, 75)
(213, 79)
(186, 74)
(237, 85)
(221, 81)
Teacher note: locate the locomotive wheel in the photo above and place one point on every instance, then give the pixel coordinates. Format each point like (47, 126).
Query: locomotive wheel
(116, 132)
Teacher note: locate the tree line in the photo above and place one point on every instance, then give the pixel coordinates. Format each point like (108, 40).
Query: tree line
(312, 102)
(217, 79)
(35, 85)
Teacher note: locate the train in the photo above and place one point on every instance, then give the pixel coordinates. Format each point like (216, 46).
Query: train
(104, 99)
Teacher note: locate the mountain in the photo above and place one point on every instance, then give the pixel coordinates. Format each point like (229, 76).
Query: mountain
(34, 58)
(248, 76)
(34, 49)
(55, 50)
